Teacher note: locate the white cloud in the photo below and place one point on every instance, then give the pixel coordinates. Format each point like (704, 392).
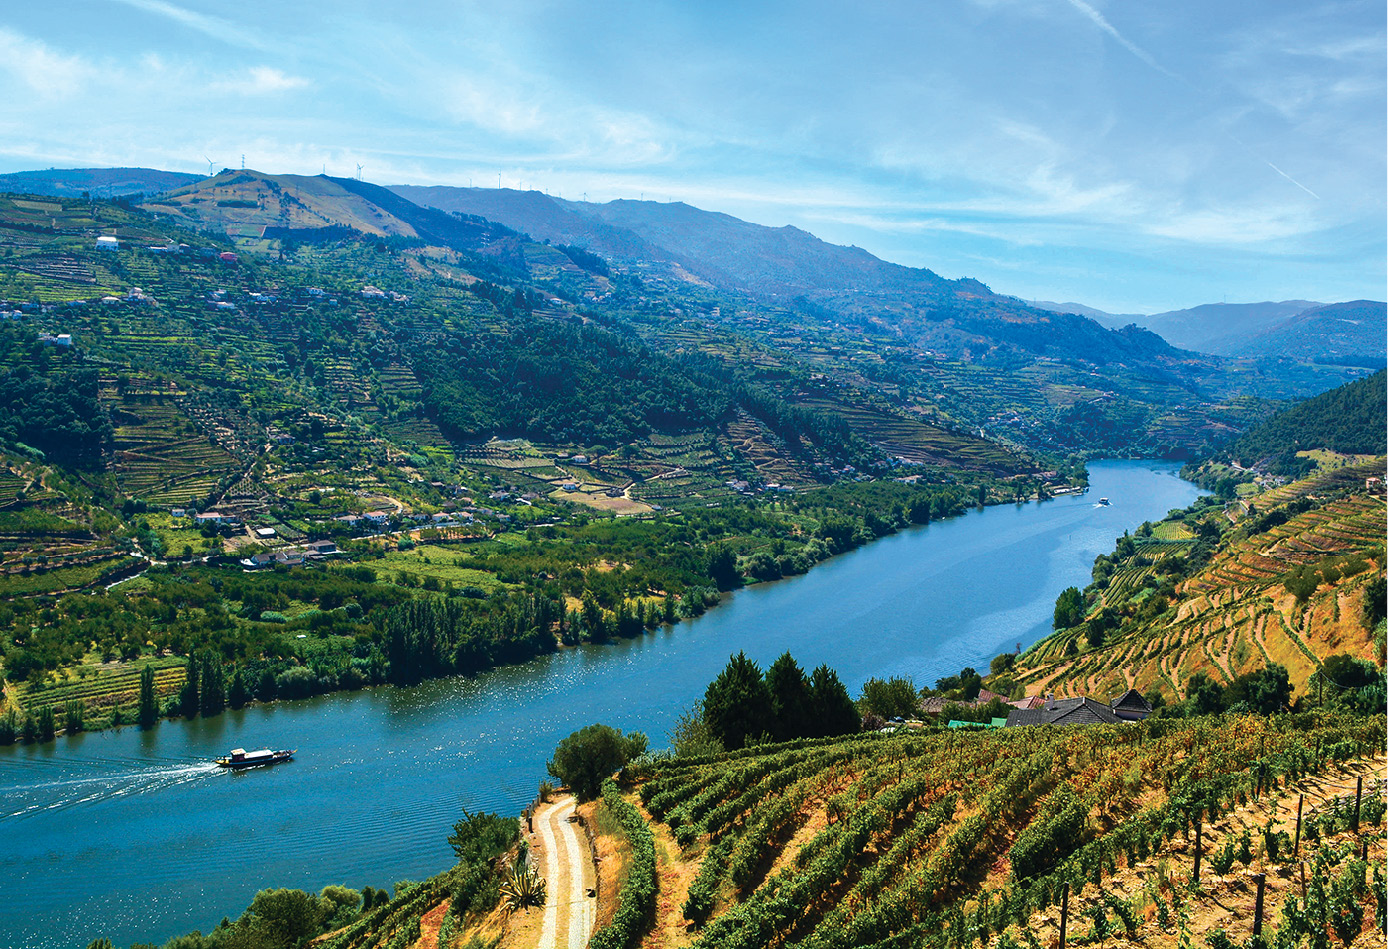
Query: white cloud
(46, 73)
(261, 80)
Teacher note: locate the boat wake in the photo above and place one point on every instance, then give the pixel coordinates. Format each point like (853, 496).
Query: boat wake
(101, 781)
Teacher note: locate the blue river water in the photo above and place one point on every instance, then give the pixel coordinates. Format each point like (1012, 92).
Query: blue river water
(135, 836)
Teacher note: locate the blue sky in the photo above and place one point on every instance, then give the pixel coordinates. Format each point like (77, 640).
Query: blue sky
(1132, 156)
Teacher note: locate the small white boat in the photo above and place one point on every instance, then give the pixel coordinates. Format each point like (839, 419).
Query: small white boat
(1103, 502)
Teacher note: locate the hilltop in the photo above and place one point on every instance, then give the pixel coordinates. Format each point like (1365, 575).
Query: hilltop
(97, 182)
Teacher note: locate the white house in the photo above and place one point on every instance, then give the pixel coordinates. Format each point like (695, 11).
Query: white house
(107, 243)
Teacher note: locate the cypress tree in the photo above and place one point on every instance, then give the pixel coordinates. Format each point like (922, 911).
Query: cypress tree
(790, 698)
(149, 708)
(188, 695)
(737, 704)
(47, 728)
(212, 694)
(239, 693)
(832, 711)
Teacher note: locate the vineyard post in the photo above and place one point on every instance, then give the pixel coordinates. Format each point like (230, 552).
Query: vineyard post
(1261, 878)
(1358, 795)
(1064, 911)
(1364, 849)
(1296, 845)
(1303, 880)
(1195, 875)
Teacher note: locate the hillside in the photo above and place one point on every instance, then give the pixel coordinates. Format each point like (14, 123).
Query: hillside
(1349, 420)
(943, 839)
(1340, 424)
(1291, 576)
(495, 470)
(1351, 333)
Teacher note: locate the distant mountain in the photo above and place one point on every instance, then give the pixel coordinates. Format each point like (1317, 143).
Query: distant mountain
(1215, 328)
(734, 255)
(252, 206)
(790, 267)
(1111, 320)
(99, 182)
(1353, 333)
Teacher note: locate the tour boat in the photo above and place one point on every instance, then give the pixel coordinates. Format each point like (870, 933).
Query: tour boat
(241, 758)
(1103, 502)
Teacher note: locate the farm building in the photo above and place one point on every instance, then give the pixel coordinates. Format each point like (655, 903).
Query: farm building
(107, 243)
(1128, 707)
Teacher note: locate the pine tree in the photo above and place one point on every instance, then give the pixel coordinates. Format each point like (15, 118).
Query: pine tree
(149, 708)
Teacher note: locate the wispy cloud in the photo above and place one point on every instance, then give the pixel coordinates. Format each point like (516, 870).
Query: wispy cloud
(47, 73)
(1293, 180)
(211, 26)
(262, 80)
(1101, 21)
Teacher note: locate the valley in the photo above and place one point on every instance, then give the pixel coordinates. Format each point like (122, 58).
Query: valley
(429, 485)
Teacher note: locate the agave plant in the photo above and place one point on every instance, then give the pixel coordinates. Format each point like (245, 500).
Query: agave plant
(523, 887)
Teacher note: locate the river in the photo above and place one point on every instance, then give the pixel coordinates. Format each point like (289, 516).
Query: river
(134, 836)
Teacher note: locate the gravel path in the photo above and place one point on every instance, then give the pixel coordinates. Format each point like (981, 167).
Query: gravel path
(567, 867)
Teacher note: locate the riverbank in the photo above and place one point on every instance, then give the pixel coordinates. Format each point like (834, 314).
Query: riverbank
(923, 602)
(345, 626)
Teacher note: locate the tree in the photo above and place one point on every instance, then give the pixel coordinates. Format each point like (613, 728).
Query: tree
(589, 756)
(722, 568)
(737, 704)
(149, 706)
(832, 711)
(970, 683)
(239, 693)
(1266, 691)
(479, 837)
(790, 698)
(283, 918)
(188, 694)
(1375, 601)
(212, 696)
(1069, 608)
(691, 736)
(890, 698)
(1204, 696)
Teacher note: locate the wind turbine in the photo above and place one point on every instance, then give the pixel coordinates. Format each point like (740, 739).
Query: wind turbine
(359, 168)
(209, 165)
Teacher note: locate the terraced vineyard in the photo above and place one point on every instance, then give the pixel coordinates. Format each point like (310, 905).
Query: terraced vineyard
(161, 457)
(102, 686)
(1239, 612)
(951, 838)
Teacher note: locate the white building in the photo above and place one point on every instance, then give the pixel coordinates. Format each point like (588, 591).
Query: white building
(107, 243)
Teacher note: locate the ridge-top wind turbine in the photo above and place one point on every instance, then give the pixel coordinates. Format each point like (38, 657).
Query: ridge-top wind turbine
(209, 165)
(360, 166)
